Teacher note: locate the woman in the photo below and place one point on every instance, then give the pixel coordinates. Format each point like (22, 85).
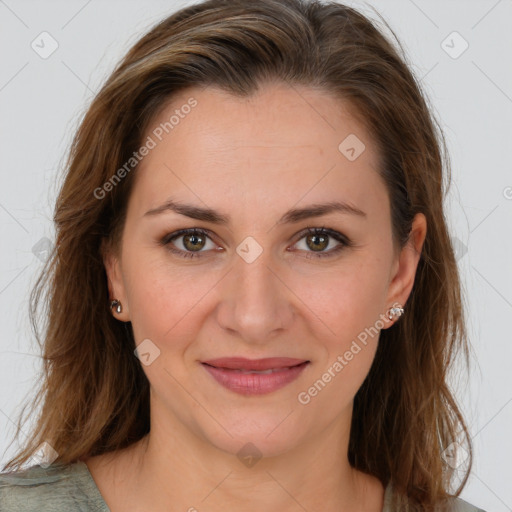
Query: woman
(253, 299)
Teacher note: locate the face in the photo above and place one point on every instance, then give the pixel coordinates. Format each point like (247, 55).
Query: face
(257, 275)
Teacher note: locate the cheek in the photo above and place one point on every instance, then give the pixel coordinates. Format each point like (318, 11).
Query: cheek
(163, 298)
(348, 299)
(349, 305)
(349, 310)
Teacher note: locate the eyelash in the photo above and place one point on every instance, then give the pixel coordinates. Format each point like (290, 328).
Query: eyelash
(344, 241)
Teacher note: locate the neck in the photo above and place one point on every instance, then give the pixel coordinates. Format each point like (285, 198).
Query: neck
(173, 469)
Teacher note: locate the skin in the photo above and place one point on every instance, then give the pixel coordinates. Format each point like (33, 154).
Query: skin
(253, 159)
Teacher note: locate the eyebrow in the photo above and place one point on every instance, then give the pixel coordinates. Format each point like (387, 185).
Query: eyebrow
(290, 217)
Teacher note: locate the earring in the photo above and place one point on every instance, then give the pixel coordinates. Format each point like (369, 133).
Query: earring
(395, 312)
(116, 304)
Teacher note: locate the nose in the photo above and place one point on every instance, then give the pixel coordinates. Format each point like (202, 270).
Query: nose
(255, 302)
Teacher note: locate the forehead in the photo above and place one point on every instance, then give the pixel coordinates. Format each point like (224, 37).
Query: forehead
(281, 144)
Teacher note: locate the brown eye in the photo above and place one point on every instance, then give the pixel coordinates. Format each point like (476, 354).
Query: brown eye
(317, 242)
(318, 239)
(194, 242)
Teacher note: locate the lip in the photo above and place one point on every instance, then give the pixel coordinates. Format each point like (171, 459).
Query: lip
(234, 373)
(241, 363)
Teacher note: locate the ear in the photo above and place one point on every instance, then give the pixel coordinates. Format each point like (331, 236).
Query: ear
(404, 269)
(116, 287)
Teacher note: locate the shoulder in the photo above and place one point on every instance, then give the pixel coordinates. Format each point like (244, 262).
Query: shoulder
(451, 505)
(57, 487)
(459, 505)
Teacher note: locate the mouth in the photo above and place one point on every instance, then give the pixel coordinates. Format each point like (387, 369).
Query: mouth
(257, 376)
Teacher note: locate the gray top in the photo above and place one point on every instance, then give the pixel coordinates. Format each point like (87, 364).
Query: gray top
(71, 488)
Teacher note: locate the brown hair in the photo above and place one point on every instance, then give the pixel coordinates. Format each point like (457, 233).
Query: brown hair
(94, 391)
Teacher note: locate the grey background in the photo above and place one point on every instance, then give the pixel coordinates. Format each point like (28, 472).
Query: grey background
(42, 100)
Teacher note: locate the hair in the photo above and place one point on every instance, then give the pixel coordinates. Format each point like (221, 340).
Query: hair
(94, 393)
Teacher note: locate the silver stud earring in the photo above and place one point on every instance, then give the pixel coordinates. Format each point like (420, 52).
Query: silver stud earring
(116, 304)
(395, 312)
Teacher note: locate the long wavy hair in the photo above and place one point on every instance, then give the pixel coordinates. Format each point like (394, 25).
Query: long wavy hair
(93, 393)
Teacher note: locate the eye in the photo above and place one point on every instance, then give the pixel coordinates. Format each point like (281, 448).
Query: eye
(192, 241)
(189, 243)
(318, 239)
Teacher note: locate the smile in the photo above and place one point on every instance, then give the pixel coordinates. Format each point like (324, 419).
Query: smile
(257, 377)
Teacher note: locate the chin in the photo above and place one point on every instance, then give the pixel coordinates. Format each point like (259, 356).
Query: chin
(258, 436)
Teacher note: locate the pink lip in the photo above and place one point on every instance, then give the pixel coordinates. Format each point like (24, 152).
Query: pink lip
(241, 363)
(228, 373)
